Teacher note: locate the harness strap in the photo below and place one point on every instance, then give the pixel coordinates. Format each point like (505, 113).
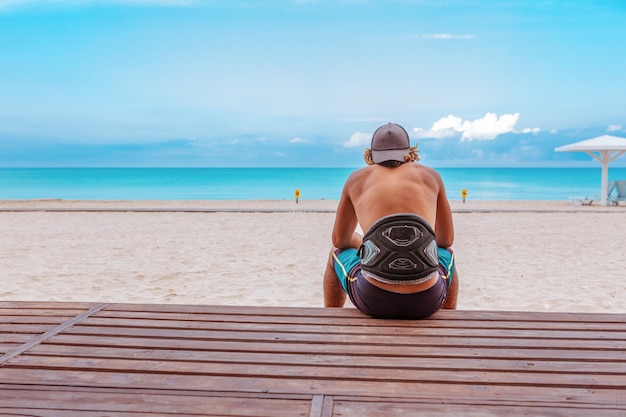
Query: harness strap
(399, 249)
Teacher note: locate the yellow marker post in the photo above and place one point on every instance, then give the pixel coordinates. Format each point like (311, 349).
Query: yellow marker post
(464, 195)
(296, 193)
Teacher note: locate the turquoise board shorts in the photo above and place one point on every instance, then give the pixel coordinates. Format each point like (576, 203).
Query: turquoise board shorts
(380, 303)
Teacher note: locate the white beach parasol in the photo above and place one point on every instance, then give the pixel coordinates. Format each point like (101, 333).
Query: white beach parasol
(603, 148)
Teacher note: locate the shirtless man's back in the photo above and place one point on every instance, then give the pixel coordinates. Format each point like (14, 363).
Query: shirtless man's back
(393, 185)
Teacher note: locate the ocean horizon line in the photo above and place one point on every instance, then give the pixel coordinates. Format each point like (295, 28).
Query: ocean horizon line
(264, 183)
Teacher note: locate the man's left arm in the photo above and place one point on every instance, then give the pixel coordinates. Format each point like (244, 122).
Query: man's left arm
(444, 228)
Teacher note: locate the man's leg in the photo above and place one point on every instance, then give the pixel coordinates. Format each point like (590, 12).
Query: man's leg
(453, 292)
(334, 296)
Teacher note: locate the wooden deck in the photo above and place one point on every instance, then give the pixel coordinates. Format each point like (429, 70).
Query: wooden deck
(88, 359)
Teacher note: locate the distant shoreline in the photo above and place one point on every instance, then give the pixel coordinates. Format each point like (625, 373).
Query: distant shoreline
(284, 206)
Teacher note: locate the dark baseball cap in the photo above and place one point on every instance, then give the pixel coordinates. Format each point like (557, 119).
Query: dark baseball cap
(390, 142)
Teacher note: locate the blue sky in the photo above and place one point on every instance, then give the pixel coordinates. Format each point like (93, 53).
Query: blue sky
(305, 82)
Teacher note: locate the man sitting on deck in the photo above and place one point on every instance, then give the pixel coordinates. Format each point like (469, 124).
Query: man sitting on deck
(403, 267)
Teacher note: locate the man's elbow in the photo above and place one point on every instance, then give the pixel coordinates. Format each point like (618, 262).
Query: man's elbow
(338, 242)
(445, 241)
(343, 242)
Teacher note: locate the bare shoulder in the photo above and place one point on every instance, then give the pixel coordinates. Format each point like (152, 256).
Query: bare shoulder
(428, 172)
(353, 183)
(427, 169)
(358, 175)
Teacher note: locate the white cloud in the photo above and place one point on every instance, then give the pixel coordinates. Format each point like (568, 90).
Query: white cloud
(554, 131)
(489, 127)
(614, 128)
(358, 139)
(299, 140)
(443, 128)
(486, 128)
(7, 4)
(446, 36)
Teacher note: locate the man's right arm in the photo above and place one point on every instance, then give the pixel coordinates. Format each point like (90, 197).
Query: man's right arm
(344, 235)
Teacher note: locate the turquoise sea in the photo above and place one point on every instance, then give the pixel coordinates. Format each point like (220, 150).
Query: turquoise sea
(280, 183)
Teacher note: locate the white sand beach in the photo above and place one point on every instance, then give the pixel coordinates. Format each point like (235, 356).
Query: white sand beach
(513, 255)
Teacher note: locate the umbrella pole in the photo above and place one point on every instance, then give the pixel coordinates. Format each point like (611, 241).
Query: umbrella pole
(605, 178)
(603, 158)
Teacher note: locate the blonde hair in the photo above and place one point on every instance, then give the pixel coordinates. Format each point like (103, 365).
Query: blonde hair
(412, 156)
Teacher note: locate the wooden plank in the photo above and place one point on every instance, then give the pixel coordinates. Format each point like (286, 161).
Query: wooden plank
(12, 328)
(63, 310)
(231, 407)
(529, 352)
(424, 373)
(45, 402)
(339, 314)
(5, 347)
(347, 408)
(365, 340)
(230, 313)
(34, 318)
(506, 402)
(285, 324)
(433, 337)
(471, 320)
(14, 338)
(317, 406)
(552, 362)
(471, 392)
(140, 402)
(567, 352)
